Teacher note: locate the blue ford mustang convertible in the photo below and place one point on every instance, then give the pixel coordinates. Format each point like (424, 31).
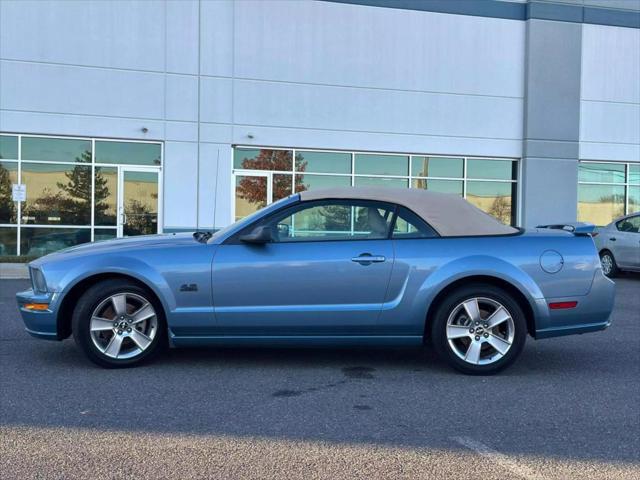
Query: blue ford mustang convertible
(348, 266)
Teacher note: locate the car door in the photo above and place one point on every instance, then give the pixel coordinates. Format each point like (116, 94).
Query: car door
(625, 242)
(325, 272)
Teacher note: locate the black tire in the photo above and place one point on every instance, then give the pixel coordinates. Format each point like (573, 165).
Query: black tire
(94, 297)
(613, 271)
(451, 303)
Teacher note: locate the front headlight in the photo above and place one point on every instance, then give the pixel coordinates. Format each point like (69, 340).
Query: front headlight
(37, 280)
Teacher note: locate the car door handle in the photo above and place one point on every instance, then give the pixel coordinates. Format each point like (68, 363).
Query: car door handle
(613, 239)
(367, 259)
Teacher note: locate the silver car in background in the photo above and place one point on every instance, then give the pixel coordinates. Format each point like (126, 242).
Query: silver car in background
(619, 245)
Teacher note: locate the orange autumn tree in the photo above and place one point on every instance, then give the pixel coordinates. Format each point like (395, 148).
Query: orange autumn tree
(254, 189)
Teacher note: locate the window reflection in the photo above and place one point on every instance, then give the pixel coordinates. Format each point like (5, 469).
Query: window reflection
(8, 147)
(100, 234)
(251, 194)
(381, 182)
(442, 186)
(381, 164)
(56, 149)
(634, 174)
(140, 203)
(492, 197)
(601, 172)
(8, 176)
(128, 153)
(437, 167)
(8, 240)
(57, 194)
(491, 169)
(281, 186)
(323, 162)
(634, 199)
(35, 242)
(313, 182)
(106, 196)
(600, 204)
(263, 159)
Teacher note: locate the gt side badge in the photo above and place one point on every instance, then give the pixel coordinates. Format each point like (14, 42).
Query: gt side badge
(189, 287)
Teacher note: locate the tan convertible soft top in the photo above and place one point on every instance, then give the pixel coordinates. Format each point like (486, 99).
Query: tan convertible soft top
(449, 214)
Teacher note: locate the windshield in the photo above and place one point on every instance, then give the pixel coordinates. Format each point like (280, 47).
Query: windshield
(251, 218)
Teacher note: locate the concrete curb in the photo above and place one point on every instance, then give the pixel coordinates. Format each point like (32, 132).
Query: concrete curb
(13, 271)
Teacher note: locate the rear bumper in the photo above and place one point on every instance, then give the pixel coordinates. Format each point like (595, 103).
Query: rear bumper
(592, 313)
(39, 323)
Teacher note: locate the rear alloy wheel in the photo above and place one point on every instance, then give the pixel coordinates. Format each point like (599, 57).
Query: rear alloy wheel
(479, 330)
(609, 267)
(117, 324)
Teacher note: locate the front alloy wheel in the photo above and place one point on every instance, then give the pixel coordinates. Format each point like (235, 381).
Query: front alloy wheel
(479, 329)
(118, 323)
(123, 325)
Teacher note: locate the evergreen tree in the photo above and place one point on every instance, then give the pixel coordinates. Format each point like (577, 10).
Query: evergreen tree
(7, 205)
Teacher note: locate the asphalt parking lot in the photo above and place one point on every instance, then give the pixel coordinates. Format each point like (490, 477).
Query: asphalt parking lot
(569, 408)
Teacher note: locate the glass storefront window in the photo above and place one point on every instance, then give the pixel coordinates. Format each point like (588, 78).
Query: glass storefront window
(495, 198)
(57, 194)
(600, 204)
(634, 199)
(607, 190)
(313, 182)
(323, 162)
(35, 242)
(634, 174)
(263, 159)
(442, 186)
(56, 149)
(601, 172)
(8, 147)
(8, 240)
(437, 167)
(62, 184)
(128, 153)
(478, 168)
(104, 234)
(106, 196)
(8, 176)
(281, 186)
(381, 182)
(259, 175)
(370, 164)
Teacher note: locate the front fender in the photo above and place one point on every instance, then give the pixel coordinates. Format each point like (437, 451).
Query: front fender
(76, 272)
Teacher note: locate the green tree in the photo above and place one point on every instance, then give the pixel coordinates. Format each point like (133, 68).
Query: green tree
(77, 206)
(7, 205)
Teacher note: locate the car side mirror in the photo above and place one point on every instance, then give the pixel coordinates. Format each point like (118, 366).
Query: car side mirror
(259, 236)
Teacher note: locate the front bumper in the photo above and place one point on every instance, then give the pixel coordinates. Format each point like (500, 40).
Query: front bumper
(39, 323)
(592, 313)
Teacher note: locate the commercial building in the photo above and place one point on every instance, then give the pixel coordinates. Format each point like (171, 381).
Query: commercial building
(130, 117)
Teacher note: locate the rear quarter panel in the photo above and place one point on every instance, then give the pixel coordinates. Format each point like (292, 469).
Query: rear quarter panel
(423, 268)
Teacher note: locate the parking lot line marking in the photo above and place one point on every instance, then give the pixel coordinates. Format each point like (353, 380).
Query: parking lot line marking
(498, 458)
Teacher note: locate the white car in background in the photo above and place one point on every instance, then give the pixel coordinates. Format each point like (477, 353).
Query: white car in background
(619, 245)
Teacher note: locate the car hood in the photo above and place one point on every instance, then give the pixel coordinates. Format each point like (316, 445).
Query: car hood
(118, 244)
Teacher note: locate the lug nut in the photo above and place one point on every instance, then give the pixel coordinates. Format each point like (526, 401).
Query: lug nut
(485, 325)
(477, 337)
(477, 323)
(129, 330)
(128, 320)
(486, 335)
(119, 332)
(471, 330)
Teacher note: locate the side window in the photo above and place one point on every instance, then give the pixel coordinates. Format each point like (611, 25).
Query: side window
(409, 225)
(333, 220)
(631, 224)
